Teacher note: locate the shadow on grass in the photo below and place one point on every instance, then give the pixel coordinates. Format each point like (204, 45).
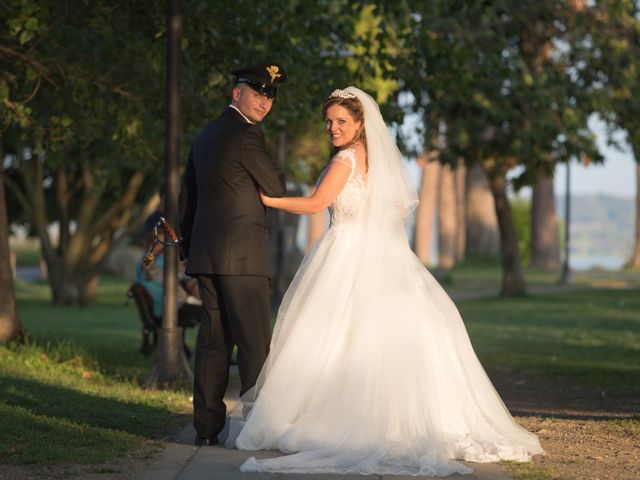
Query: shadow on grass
(43, 423)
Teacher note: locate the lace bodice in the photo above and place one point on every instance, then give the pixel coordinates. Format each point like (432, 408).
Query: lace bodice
(348, 205)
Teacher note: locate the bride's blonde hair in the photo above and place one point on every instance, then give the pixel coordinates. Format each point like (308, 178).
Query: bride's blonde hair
(356, 110)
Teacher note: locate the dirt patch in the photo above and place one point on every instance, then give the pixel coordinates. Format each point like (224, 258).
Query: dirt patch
(585, 449)
(588, 433)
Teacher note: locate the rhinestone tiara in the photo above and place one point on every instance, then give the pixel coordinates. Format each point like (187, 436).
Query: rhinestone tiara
(341, 94)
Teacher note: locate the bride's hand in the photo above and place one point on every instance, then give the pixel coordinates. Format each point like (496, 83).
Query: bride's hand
(265, 200)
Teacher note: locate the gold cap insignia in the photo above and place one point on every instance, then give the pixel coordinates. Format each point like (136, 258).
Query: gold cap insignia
(273, 72)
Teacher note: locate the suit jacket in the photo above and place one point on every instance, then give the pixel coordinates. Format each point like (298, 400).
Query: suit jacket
(223, 222)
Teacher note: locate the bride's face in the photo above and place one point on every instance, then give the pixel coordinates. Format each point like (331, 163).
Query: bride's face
(340, 125)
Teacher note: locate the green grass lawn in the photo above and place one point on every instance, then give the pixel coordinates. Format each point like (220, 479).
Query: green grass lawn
(587, 332)
(484, 274)
(588, 336)
(72, 394)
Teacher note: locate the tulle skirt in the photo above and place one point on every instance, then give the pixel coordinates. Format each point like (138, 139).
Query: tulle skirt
(371, 371)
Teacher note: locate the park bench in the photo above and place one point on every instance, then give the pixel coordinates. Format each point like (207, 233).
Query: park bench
(151, 323)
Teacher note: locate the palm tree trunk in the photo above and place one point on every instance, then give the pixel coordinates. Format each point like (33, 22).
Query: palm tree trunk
(447, 219)
(545, 248)
(482, 236)
(426, 211)
(461, 234)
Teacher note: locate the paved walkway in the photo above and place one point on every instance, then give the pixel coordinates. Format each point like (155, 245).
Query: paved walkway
(181, 460)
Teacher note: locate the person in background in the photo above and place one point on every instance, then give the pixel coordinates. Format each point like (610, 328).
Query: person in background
(151, 277)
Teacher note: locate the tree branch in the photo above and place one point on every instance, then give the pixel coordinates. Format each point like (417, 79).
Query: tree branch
(123, 203)
(63, 196)
(44, 71)
(33, 177)
(21, 197)
(80, 241)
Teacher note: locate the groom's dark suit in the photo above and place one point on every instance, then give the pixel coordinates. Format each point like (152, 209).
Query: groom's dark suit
(225, 241)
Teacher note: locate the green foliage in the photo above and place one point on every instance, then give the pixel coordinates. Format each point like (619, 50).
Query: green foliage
(505, 84)
(610, 64)
(81, 123)
(82, 106)
(82, 77)
(498, 78)
(308, 38)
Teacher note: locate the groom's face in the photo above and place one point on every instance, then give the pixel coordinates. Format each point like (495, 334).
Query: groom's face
(252, 104)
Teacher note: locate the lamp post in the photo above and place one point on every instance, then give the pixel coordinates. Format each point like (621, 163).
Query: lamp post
(171, 369)
(566, 270)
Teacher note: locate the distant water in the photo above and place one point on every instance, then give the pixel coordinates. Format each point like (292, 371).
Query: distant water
(606, 262)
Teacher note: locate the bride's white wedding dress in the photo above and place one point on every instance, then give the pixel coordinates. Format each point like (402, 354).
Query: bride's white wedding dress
(371, 369)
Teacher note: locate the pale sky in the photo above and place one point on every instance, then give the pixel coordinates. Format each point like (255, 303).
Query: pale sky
(616, 176)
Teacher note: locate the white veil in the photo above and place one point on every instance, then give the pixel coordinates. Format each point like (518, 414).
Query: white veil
(389, 186)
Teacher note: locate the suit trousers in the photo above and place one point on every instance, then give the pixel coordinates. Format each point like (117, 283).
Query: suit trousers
(235, 311)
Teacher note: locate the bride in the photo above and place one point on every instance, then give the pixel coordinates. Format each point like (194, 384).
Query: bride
(370, 370)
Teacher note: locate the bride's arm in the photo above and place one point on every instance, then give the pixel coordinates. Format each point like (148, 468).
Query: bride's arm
(329, 188)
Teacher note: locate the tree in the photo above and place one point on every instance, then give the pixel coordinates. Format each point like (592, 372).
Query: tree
(545, 247)
(83, 125)
(482, 70)
(482, 237)
(461, 200)
(80, 139)
(426, 210)
(447, 219)
(610, 62)
(10, 325)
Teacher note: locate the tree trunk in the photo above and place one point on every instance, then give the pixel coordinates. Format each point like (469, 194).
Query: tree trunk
(447, 219)
(545, 248)
(72, 263)
(634, 262)
(10, 325)
(461, 235)
(426, 211)
(513, 282)
(73, 286)
(482, 236)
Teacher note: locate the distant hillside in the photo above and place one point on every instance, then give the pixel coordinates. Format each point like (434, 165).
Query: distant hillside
(601, 225)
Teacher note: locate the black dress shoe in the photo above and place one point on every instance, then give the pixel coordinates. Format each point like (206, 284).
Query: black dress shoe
(206, 441)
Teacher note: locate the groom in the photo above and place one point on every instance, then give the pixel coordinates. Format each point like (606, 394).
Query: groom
(225, 242)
